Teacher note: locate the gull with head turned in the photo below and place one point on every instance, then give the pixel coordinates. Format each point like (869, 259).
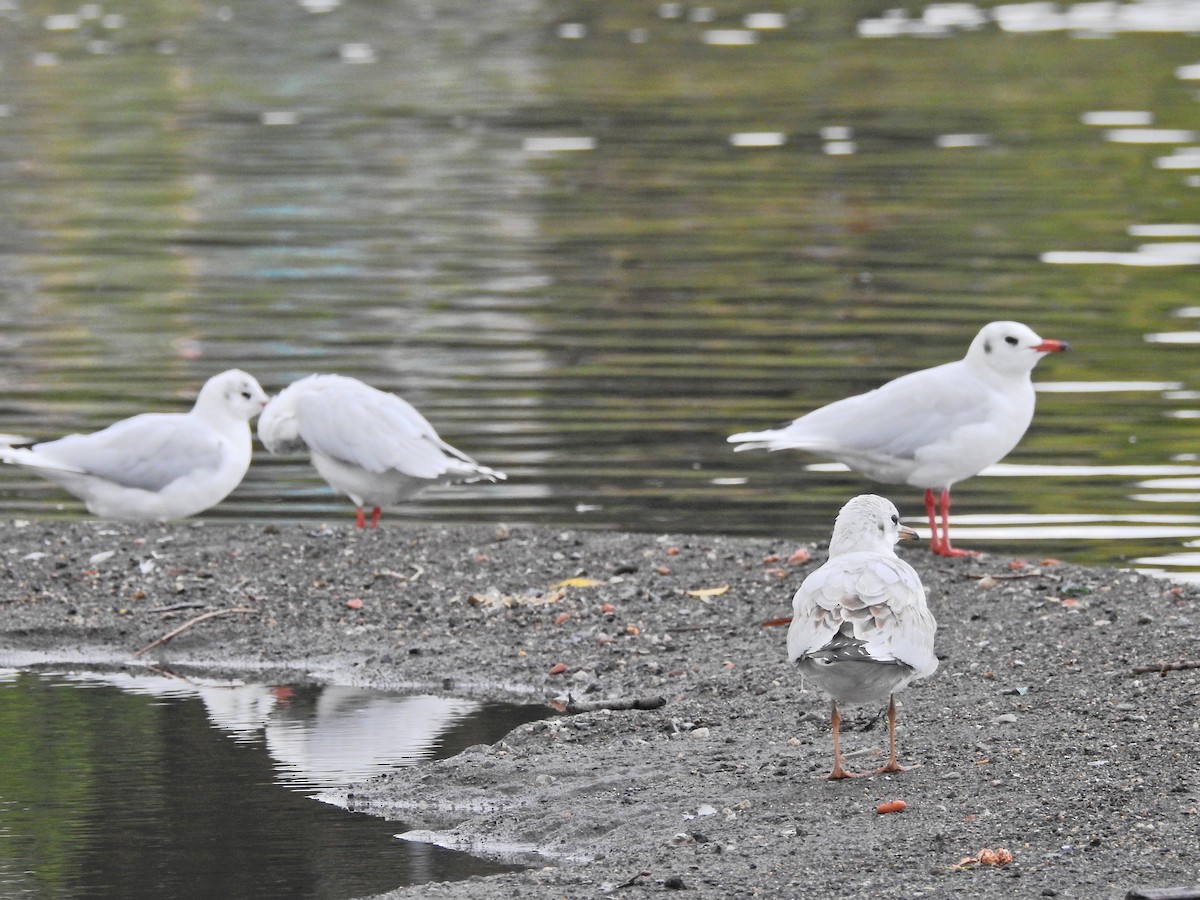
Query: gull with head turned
(860, 628)
(366, 443)
(931, 428)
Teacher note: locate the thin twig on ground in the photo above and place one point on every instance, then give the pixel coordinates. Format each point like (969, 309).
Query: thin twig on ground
(1165, 667)
(1010, 576)
(175, 607)
(211, 614)
(645, 873)
(624, 705)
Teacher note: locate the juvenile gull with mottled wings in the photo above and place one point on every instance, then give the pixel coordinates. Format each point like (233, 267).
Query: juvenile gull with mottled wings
(860, 628)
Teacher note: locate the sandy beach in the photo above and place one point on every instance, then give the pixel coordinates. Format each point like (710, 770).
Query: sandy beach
(680, 752)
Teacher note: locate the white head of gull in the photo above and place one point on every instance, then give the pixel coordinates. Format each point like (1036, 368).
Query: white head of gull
(931, 428)
(156, 466)
(860, 628)
(366, 443)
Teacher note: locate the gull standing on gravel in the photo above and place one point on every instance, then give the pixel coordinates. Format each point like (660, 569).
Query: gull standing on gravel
(932, 428)
(156, 466)
(366, 443)
(860, 627)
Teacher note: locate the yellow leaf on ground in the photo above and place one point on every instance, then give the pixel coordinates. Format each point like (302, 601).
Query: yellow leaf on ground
(709, 592)
(580, 582)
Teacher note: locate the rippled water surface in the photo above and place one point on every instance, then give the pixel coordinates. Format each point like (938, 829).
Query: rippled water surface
(140, 785)
(589, 240)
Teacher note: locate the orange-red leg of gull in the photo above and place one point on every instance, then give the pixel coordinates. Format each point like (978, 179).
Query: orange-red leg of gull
(939, 542)
(361, 521)
(935, 539)
(375, 514)
(838, 772)
(892, 765)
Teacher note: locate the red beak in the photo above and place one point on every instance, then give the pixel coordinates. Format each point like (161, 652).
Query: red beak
(1052, 347)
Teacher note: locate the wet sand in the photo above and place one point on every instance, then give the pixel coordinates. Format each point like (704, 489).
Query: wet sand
(684, 754)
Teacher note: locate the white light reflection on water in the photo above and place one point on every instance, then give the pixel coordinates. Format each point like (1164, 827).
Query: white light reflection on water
(1144, 255)
(1095, 527)
(758, 139)
(730, 37)
(1015, 529)
(1164, 230)
(1118, 118)
(1013, 470)
(1169, 565)
(1150, 135)
(1180, 158)
(764, 21)
(552, 144)
(1089, 19)
(1089, 528)
(1103, 387)
(959, 141)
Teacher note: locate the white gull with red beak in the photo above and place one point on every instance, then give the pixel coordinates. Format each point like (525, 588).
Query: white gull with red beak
(156, 466)
(932, 428)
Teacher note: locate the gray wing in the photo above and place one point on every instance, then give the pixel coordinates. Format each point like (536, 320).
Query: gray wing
(374, 430)
(896, 419)
(148, 451)
(880, 596)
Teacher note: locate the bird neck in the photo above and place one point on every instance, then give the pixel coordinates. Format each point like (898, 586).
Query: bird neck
(850, 540)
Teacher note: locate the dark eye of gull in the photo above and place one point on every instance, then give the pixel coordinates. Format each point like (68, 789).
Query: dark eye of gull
(1012, 341)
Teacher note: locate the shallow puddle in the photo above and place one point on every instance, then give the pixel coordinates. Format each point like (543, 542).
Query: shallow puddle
(131, 786)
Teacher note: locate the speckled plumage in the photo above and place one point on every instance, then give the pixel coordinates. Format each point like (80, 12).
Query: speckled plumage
(861, 629)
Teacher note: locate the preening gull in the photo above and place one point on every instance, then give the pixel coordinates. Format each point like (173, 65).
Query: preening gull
(366, 443)
(156, 466)
(931, 428)
(860, 628)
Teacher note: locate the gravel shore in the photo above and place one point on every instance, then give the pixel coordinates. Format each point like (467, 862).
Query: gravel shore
(685, 755)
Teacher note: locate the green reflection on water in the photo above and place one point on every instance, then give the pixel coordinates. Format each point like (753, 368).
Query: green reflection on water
(114, 794)
(594, 322)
